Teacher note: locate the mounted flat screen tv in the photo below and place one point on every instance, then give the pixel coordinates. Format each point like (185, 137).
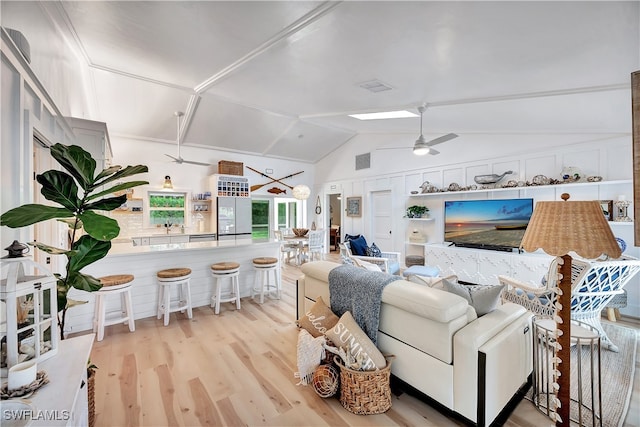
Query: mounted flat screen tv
(487, 224)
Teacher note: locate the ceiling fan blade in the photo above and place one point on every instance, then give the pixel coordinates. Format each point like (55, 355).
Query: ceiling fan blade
(195, 163)
(175, 159)
(394, 148)
(433, 151)
(442, 139)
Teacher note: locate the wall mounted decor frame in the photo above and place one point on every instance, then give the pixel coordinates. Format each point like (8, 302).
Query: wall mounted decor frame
(354, 206)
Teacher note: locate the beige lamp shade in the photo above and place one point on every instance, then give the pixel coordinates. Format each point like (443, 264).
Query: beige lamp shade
(562, 227)
(301, 192)
(167, 182)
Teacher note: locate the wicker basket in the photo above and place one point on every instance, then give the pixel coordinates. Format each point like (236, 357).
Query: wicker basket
(91, 395)
(365, 392)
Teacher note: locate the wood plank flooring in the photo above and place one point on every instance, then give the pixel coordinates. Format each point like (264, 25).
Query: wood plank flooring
(236, 369)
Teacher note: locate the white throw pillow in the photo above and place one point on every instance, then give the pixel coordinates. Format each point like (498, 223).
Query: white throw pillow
(367, 265)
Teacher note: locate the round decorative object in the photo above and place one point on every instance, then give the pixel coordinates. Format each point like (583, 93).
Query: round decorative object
(594, 178)
(540, 180)
(301, 192)
(414, 192)
(454, 186)
(571, 174)
(300, 231)
(326, 380)
(621, 243)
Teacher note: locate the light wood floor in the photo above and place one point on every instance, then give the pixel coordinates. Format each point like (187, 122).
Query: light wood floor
(237, 368)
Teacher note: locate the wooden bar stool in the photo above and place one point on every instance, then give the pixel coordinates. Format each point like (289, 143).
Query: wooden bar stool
(262, 266)
(111, 285)
(179, 277)
(220, 271)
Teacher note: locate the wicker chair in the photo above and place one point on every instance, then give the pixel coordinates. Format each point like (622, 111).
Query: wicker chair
(389, 262)
(593, 285)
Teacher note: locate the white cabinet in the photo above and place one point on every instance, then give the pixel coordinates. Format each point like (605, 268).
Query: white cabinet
(184, 238)
(483, 266)
(159, 240)
(65, 397)
(94, 138)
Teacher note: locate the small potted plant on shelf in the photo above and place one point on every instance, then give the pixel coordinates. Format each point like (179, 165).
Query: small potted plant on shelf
(417, 211)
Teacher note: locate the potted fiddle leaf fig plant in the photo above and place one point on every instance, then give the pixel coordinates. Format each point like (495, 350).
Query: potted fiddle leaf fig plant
(79, 193)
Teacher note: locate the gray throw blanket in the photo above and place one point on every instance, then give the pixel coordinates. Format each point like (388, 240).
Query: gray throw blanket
(359, 291)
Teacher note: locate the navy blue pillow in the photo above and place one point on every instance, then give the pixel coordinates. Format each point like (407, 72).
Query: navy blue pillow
(375, 251)
(359, 246)
(349, 237)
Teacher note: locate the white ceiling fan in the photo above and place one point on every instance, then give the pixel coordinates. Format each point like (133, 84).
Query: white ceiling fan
(179, 160)
(421, 146)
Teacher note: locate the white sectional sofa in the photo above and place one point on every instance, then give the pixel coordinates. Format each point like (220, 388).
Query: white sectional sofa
(472, 366)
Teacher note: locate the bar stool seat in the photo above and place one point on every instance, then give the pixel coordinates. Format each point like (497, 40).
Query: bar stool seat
(112, 285)
(180, 278)
(262, 285)
(220, 271)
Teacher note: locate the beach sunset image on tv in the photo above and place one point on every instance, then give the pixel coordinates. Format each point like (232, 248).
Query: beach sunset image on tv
(487, 223)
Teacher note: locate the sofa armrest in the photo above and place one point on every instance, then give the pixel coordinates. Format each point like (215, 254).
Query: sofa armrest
(507, 329)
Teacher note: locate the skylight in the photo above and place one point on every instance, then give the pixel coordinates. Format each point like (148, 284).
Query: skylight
(403, 114)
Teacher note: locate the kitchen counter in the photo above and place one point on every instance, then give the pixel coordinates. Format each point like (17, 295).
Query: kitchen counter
(145, 261)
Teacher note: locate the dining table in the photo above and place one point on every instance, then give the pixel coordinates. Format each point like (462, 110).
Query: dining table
(300, 242)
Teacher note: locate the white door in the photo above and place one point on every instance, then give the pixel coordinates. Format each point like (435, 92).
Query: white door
(382, 220)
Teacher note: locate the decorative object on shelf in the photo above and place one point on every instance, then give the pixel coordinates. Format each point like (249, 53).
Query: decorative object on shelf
(511, 183)
(24, 391)
(226, 167)
(17, 249)
(30, 330)
(80, 193)
(490, 178)
(318, 207)
(571, 174)
(521, 184)
(167, 183)
(622, 244)
(417, 237)
(454, 186)
(622, 206)
(414, 192)
(313, 225)
(607, 209)
(354, 206)
(540, 180)
(559, 228)
(427, 187)
(594, 178)
(417, 211)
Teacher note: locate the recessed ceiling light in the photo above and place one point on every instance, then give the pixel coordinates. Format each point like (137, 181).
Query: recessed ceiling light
(403, 114)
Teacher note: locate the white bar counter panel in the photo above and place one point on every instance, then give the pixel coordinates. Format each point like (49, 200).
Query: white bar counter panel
(145, 261)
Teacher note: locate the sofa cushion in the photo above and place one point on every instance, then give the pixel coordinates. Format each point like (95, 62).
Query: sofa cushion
(421, 270)
(374, 250)
(359, 246)
(347, 333)
(319, 319)
(482, 298)
(427, 302)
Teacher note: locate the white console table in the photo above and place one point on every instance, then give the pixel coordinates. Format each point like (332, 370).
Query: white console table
(484, 266)
(64, 401)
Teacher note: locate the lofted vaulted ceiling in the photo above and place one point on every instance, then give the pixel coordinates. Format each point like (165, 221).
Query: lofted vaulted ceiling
(279, 78)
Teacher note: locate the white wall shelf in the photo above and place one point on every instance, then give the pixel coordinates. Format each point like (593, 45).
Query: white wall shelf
(527, 188)
(421, 219)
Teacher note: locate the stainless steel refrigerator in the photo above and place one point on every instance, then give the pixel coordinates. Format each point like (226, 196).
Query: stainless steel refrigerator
(233, 217)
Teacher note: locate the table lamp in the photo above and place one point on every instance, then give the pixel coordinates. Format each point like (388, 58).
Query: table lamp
(559, 228)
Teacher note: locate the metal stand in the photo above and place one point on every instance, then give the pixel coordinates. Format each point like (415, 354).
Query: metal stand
(586, 390)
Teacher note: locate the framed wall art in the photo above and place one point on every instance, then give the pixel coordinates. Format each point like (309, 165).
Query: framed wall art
(354, 206)
(607, 209)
